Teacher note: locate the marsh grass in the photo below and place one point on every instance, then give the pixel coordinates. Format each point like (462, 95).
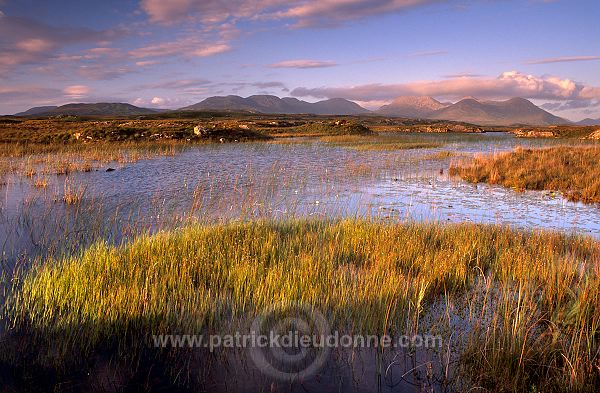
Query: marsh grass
(364, 143)
(573, 170)
(73, 192)
(31, 160)
(535, 323)
(442, 155)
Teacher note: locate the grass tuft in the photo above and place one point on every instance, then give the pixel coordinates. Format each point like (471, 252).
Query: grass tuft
(572, 170)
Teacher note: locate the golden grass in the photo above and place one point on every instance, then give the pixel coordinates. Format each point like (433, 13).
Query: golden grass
(31, 160)
(535, 320)
(73, 193)
(572, 170)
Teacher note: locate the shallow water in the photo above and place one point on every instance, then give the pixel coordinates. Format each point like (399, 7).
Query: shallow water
(299, 178)
(252, 180)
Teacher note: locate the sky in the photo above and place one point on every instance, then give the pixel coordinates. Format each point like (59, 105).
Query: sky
(173, 53)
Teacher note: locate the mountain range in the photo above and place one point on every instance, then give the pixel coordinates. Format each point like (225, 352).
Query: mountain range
(276, 105)
(501, 113)
(515, 111)
(412, 107)
(98, 109)
(589, 122)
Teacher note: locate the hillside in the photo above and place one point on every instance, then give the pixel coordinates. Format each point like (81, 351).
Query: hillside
(588, 122)
(276, 105)
(36, 110)
(98, 109)
(510, 112)
(412, 107)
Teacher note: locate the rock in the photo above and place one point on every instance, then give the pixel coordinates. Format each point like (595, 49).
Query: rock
(520, 133)
(110, 169)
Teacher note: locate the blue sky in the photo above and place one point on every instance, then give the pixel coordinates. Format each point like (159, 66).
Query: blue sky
(171, 53)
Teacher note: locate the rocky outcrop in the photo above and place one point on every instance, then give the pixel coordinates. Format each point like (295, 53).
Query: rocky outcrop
(520, 133)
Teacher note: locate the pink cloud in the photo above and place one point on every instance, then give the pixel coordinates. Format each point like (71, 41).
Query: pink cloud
(564, 59)
(304, 13)
(303, 64)
(188, 46)
(26, 41)
(208, 11)
(35, 45)
(331, 12)
(76, 91)
(508, 84)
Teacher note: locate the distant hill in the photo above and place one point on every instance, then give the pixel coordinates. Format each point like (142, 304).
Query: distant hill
(36, 110)
(412, 107)
(276, 105)
(470, 110)
(589, 122)
(509, 112)
(99, 109)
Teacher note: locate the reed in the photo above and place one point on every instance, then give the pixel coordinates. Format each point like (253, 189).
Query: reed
(367, 142)
(573, 170)
(534, 322)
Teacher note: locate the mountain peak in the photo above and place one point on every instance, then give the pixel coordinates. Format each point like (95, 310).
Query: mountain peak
(276, 105)
(411, 106)
(510, 112)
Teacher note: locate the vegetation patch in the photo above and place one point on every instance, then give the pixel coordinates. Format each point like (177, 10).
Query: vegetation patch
(535, 324)
(572, 170)
(579, 132)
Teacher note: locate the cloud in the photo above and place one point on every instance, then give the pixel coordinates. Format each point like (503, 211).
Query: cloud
(158, 101)
(146, 63)
(570, 105)
(207, 11)
(175, 84)
(26, 41)
(302, 13)
(10, 94)
(565, 59)
(462, 75)
(429, 53)
(508, 84)
(334, 12)
(187, 47)
(102, 71)
(76, 91)
(303, 64)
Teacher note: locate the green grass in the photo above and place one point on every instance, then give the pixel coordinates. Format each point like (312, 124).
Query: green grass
(532, 297)
(572, 170)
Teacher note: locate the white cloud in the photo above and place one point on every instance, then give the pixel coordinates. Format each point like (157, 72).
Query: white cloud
(158, 101)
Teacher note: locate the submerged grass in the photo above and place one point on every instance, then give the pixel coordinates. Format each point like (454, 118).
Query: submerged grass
(363, 143)
(572, 170)
(541, 295)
